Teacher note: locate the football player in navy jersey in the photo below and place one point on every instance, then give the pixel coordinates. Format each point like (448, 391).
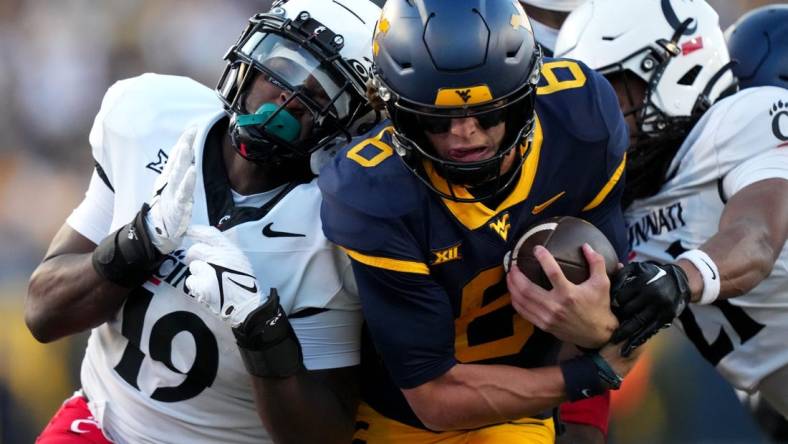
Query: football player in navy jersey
(170, 308)
(485, 139)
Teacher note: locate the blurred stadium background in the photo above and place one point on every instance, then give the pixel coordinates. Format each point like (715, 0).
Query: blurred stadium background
(57, 57)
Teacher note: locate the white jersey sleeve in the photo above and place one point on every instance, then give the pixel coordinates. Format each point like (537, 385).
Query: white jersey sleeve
(744, 126)
(98, 132)
(750, 138)
(139, 121)
(733, 131)
(772, 164)
(93, 217)
(331, 339)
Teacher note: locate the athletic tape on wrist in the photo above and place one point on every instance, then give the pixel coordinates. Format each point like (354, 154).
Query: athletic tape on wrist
(708, 271)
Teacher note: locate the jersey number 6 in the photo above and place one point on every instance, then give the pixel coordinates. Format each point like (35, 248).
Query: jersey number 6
(488, 327)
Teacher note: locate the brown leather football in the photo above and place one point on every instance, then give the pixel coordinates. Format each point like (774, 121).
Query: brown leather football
(564, 238)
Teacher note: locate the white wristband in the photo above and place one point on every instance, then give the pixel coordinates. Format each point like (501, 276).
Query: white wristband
(708, 270)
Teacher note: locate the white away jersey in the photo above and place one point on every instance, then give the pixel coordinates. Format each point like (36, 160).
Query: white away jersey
(740, 140)
(165, 369)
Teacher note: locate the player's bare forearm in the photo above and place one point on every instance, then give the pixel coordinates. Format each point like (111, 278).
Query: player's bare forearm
(317, 406)
(754, 227)
(470, 396)
(65, 294)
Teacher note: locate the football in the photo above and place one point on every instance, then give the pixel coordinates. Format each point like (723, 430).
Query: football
(563, 237)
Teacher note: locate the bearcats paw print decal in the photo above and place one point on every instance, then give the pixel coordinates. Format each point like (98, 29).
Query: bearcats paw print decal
(779, 115)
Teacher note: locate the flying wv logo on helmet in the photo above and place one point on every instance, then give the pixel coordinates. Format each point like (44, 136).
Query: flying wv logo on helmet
(465, 94)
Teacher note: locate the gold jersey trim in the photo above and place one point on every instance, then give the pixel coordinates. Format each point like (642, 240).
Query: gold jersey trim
(388, 263)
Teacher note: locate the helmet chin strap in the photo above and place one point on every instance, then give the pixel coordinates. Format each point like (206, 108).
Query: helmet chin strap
(703, 103)
(275, 119)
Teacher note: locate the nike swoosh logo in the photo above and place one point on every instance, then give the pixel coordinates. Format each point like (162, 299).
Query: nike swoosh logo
(541, 207)
(251, 289)
(659, 274)
(586, 393)
(268, 232)
(713, 274)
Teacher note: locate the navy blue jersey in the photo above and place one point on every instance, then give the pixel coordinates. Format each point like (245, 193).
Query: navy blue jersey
(430, 271)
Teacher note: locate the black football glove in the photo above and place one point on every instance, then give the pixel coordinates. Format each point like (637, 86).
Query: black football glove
(646, 297)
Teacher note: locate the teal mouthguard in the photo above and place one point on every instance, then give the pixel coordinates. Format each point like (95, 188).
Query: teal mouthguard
(283, 125)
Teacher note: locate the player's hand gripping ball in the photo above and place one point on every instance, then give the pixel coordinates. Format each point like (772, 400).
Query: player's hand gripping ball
(563, 237)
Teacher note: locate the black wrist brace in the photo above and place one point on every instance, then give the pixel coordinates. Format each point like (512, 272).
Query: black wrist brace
(588, 375)
(127, 257)
(268, 344)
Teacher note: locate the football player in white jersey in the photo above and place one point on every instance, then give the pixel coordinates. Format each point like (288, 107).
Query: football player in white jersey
(160, 367)
(707, 186)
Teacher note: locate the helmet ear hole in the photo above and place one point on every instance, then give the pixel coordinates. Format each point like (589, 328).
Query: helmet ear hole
(689, 77)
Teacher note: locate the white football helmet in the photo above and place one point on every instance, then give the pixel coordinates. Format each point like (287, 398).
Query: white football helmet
(675, 46)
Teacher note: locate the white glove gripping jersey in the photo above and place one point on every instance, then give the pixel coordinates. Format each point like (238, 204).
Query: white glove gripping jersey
(165, 369)
(740, 140)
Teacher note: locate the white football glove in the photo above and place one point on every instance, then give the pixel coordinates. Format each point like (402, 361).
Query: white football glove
(221, 278)
(173, 196)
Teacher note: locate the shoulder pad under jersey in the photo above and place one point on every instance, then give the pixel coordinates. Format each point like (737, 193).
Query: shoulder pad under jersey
(140, 107)
(579, 100)
(369, 176)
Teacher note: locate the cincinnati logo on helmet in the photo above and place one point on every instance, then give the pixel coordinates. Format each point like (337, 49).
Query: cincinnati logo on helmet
(779, 114)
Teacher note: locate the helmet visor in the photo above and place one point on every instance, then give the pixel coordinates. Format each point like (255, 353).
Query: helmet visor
(293, 70)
